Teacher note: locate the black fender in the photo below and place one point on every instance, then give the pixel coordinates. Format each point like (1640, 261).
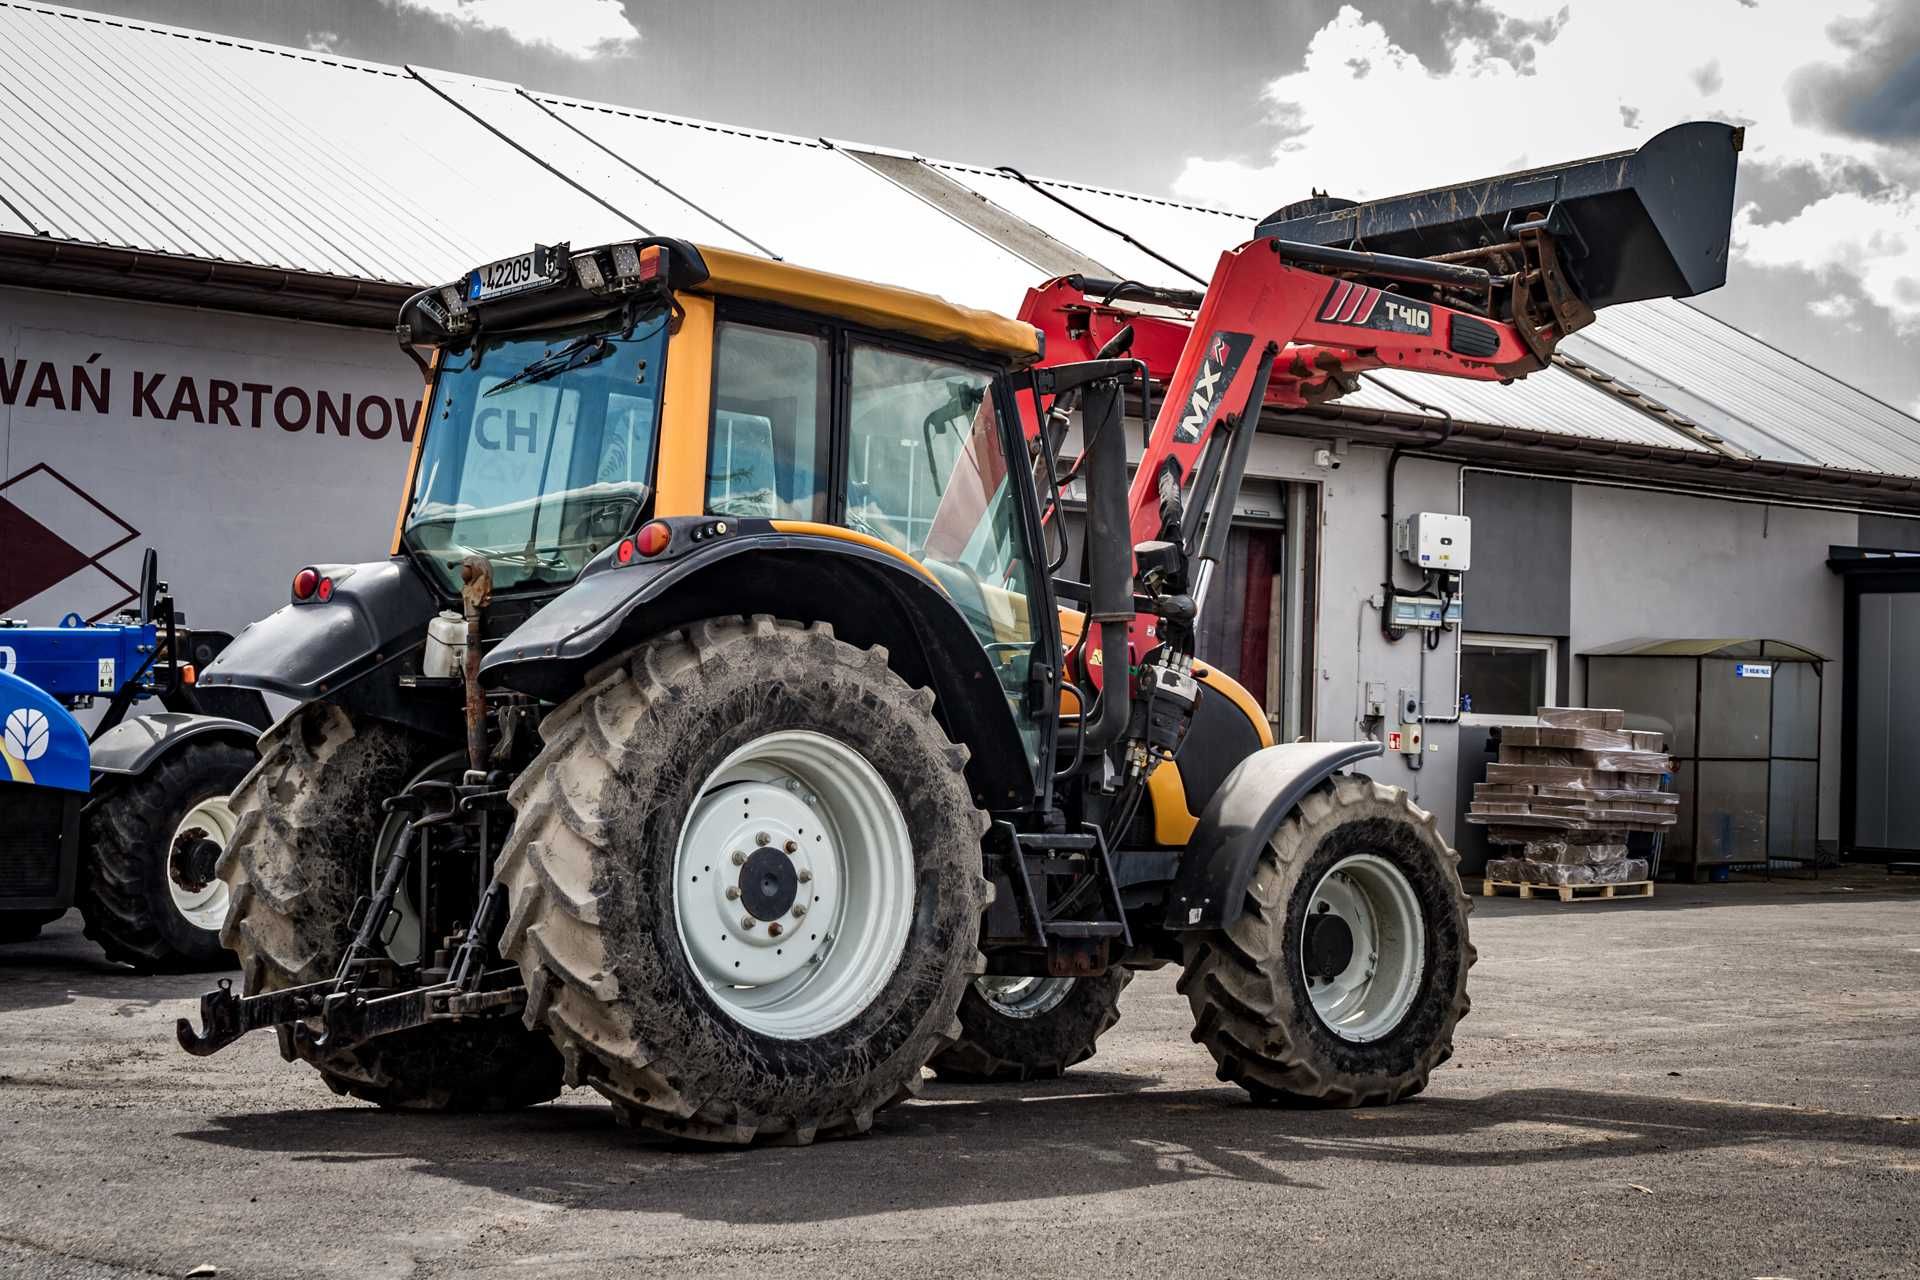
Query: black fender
(133, 746)
(1210, 889)
(375, 620)
(868, 595)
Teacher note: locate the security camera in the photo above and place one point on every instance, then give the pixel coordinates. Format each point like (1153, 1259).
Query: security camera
(1326, 459)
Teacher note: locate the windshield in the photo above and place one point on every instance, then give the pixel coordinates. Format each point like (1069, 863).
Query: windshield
(539, 451)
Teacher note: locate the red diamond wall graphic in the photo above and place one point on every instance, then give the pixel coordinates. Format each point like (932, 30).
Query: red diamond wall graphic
(50, 530)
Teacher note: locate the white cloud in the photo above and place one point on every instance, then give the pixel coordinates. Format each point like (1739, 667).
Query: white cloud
(1837, 307)
(1364, 117)
(1873, 240)
(577, 28)
(323, 41)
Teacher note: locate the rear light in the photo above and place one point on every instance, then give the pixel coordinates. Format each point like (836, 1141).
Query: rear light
(650, 262)
(324, 592)
(624, 552)
(305, 583)
(653, 537)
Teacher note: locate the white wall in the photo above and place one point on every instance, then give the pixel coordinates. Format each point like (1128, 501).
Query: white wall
(234, 500)
(1650, 565)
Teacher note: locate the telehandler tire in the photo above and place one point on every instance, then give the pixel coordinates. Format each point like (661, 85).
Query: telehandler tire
(140, 894)
(307, 818)
(1342, 982)
(1018, 1029)
(746, 883)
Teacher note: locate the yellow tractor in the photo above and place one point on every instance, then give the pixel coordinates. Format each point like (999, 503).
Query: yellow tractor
(721, 733)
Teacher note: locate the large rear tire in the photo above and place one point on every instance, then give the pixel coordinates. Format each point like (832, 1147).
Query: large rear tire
(1018, 1029)
(745, 883)
(1341, 983)
(307, 820)
(145, 896)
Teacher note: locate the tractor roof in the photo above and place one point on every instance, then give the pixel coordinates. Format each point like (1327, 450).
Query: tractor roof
(881, 306)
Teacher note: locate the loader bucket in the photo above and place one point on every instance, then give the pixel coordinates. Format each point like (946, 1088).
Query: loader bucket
(1652, 223)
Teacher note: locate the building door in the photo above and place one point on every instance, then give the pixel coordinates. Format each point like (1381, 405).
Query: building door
(1884, 737)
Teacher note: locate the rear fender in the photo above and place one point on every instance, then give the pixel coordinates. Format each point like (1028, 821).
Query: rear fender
(134, 746)
(869, 593)
(1210, 889)
(350, 648)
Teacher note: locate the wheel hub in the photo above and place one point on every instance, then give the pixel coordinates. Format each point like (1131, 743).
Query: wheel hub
(1363, 947)
(793, 884)
(196, 890)
(1329, 945)
(768, 883)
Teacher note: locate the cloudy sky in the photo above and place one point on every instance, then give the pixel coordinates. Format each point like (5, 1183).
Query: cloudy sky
(1248, 103)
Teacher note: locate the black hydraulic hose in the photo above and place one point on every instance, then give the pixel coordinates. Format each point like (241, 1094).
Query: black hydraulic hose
(1109, 558)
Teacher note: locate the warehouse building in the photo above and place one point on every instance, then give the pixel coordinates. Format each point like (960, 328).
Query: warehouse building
(205, 241)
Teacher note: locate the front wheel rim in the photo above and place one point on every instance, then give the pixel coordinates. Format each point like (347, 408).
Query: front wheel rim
(202, 903)
(1363, 947)
(793, 884)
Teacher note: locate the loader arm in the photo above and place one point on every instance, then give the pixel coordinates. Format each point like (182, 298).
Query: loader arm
(1510, 266)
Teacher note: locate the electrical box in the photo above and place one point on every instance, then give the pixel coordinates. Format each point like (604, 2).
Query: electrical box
(1405, 737)
(1437, 540)
(1376, 700)
(1415, 613)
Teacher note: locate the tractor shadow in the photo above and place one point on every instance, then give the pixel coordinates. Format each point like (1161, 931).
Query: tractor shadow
(62, 965)
(1084, 1135)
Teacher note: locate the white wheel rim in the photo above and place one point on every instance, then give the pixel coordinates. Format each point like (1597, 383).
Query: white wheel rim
(1023, 997)
(201, 904)
(794, 812)
(1370, 995)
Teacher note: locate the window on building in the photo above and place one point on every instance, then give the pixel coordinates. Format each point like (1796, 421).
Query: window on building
(1505, 679)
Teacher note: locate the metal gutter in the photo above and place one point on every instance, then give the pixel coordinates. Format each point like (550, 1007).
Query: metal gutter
(1576, 456)
(41, 262)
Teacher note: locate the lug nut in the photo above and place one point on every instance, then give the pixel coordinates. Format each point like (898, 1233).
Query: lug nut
(791, 846)
(762, 838)
(806, 876)
(739, 858)
(733, 891)
(799, 909)
(773, 930)
(746, 922)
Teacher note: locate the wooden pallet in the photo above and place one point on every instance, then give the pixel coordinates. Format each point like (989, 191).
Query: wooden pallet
(1569, 892)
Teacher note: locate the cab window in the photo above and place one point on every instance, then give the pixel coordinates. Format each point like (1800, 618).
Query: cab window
(766, 451)
(927, 472)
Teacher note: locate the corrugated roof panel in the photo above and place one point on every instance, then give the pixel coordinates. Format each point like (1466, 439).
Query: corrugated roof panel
(1550, 401)
(1759, 398)
(1119, 258)
(810, 204)
(1186, 234)
(628, 201)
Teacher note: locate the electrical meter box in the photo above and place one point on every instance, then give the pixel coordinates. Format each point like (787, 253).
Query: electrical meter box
(1437, 540)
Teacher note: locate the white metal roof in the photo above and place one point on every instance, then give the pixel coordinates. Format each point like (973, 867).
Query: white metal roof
(142, 136)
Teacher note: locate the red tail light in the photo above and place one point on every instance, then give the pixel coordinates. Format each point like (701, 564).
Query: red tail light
(305, 583)
(325, 591)
(624, 552)
(653, 537)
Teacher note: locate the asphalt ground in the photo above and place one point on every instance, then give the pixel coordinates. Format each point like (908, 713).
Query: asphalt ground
(1722, 1082)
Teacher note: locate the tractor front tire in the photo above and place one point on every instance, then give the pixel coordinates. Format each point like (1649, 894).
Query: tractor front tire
(136, 894)
(1342, 981)
(746, 883)
(308, 818)
(1018, 1029)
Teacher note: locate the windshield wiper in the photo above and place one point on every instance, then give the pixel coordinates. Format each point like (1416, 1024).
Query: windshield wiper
(577, 354)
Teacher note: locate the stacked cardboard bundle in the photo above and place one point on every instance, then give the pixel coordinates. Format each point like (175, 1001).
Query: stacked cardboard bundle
(1566, 791)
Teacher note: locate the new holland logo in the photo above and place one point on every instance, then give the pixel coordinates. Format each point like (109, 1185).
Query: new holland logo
(26, 734)
(1224, 353)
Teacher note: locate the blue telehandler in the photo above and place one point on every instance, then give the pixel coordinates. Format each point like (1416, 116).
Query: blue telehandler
(126, 822)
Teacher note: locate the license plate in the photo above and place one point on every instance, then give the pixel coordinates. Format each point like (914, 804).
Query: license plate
(512, 275)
